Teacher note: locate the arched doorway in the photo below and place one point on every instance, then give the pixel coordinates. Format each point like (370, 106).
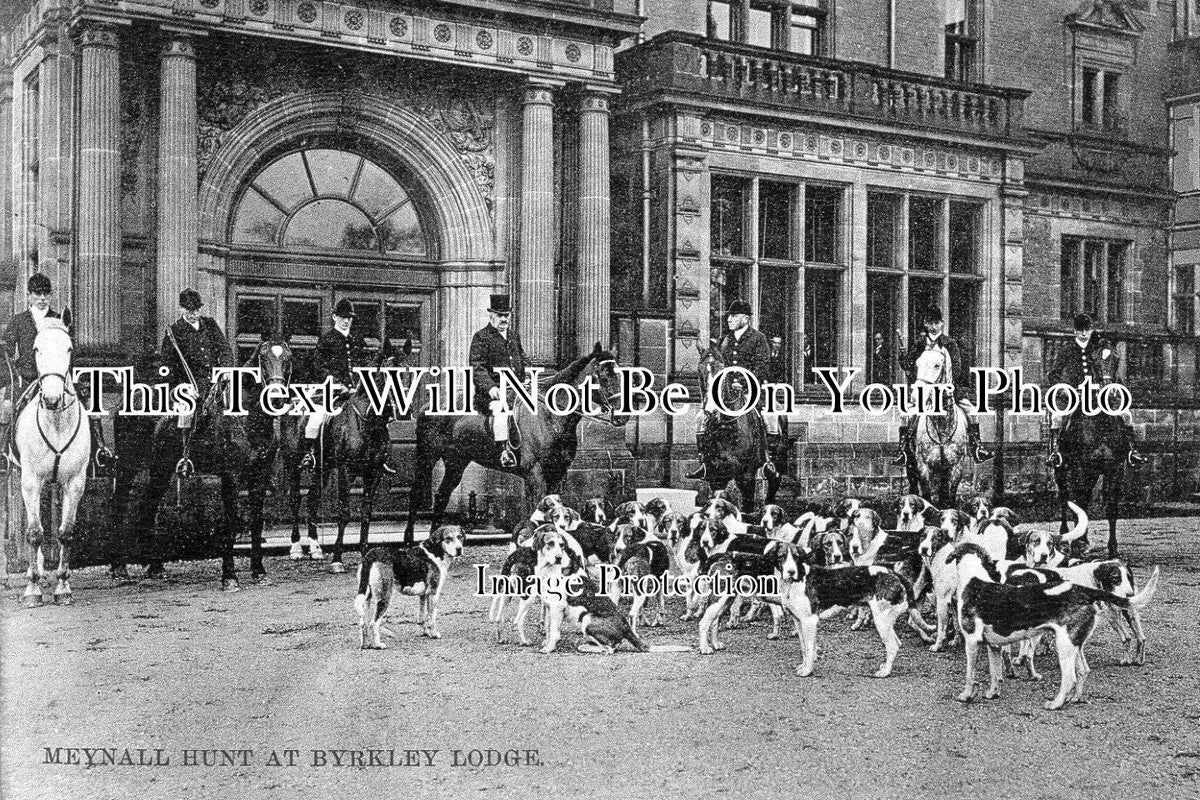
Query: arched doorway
(319, 223)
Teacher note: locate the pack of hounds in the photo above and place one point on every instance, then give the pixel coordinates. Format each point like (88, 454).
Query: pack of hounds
(989, 584)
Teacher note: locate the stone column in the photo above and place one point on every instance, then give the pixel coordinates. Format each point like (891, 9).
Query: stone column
(535, 297)
(98, 277)
(594, 223)
(177, 225)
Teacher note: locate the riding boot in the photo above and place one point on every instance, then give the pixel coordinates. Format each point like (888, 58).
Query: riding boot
(769, 469)
(902, 457)
(1054, 460)
(978, 451)
(1133, 457)
(307, 447)
(104, 457)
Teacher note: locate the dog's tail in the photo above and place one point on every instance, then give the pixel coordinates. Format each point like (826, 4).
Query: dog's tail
(364, 580)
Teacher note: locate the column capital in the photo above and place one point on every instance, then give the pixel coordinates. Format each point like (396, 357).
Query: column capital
(90, 33)
(178, 45)
(595, 102)
(540, 92)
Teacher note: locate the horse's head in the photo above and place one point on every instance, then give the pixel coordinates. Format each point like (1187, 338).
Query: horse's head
(606, 379)
(710, 364)
(274, 360)
(52, 351)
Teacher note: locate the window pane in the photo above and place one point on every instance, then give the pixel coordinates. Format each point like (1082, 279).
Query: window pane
(332, 171)
(775, 220)
(822, 220)
(1185, 299)
(806, 32)
(256, 315)
(760, 28)
(882, 294)
(922, 293)
(401, 232)
(821, 318)
(286, 181)
(377, 191)
(403, 322)
(1089, 95)
(720, 24)
(883, 217)
(330, 223)
(257, 221)
(1069, 269)
(924, 233)
(964, 312)
(1111, 107)
(727, 214)
(1093, 266)
(965, 220)
(301, 318)
(1116, 282)
(366, 318)
(776, 311)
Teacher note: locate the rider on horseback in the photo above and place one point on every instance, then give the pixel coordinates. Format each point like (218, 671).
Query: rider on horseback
(191, 348)
(497, 345)
(1072, 366)
(748, 348)
(938, 358)
(339, 350)
(18, 340)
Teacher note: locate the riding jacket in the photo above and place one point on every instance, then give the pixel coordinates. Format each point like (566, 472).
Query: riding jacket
(203, 348)
(338, 355)
(960, 368)
(1073, 363)
(18, 341)
(489, 351)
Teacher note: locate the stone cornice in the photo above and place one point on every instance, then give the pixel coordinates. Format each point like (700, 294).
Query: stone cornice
(443, 33)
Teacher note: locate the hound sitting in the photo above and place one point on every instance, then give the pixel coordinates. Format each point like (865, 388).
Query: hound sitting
(997, 614)
(420, 571)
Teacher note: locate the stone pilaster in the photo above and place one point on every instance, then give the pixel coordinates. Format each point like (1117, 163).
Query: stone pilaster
(98, 273)
(535, 296)
(177, 219)
(594, 223)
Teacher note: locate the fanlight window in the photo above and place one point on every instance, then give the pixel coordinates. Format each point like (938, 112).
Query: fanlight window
(330, 200)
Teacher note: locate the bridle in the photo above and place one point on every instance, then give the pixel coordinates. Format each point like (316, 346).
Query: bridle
(68, 400)
(607, 412)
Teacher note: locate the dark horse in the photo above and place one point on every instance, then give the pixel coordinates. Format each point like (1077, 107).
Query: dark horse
(268, 436)
(1093, 447)
(215, 445)
(546, 448)
(732, 448)
(353, 443)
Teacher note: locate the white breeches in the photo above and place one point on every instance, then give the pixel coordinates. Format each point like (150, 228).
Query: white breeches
(499, 421)
(771, 420)
(965, 404)
(312, 428)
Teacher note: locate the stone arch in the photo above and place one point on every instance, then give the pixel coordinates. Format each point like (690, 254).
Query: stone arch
(464, 230)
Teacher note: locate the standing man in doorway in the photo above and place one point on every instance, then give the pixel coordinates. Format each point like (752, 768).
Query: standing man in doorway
(494, 346)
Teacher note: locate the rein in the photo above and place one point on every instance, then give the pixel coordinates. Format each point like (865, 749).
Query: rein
(58, 452)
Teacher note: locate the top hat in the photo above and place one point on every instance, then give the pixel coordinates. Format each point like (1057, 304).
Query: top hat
(190, 299)
(500, 304)
(1083, 322)
(344, 308)
(738, 307)
(38, 284)
(931, 314)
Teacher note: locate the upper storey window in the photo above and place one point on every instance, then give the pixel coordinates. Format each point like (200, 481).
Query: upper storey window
(962, 40)
(323, 199)
(799, 26)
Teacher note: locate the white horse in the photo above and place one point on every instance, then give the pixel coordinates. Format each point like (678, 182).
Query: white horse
(53, 442)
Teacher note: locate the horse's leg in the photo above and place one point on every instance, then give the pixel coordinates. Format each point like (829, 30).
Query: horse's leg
(1112, 499)
(370, 484)
(31, 491)
(343, 513)
(450, 478)
(292, 469)
(229, 493)
(256, 498)
(313, 504)
(66, 534)
(118, 506)
(156, 486)
(747, 484)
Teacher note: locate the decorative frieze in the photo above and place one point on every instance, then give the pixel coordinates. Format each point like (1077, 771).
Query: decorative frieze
(848, 149)
(1096, 209)
(392, 31)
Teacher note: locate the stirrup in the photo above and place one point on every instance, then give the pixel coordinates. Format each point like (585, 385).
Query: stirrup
(901, 458)
(309, 461)
(104, 458)
(508, 459)
(1133, 458)
(699, 472)
(982, 453)
(1054, 460)
(388, 468)
(769, 470)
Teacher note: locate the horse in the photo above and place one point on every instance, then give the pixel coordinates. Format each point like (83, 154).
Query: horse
(54, 444)
(940, 456)
(733, 448)
(157, 445)
(546, 445)
(269, 437)
(1093, 447)
(355, 442)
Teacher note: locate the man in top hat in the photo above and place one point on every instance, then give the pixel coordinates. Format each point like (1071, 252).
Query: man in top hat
(1072, 365)
(497, 345)
(194, 343)
(938, 358)
(746, 347)
(18, 340)
(339, 350)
